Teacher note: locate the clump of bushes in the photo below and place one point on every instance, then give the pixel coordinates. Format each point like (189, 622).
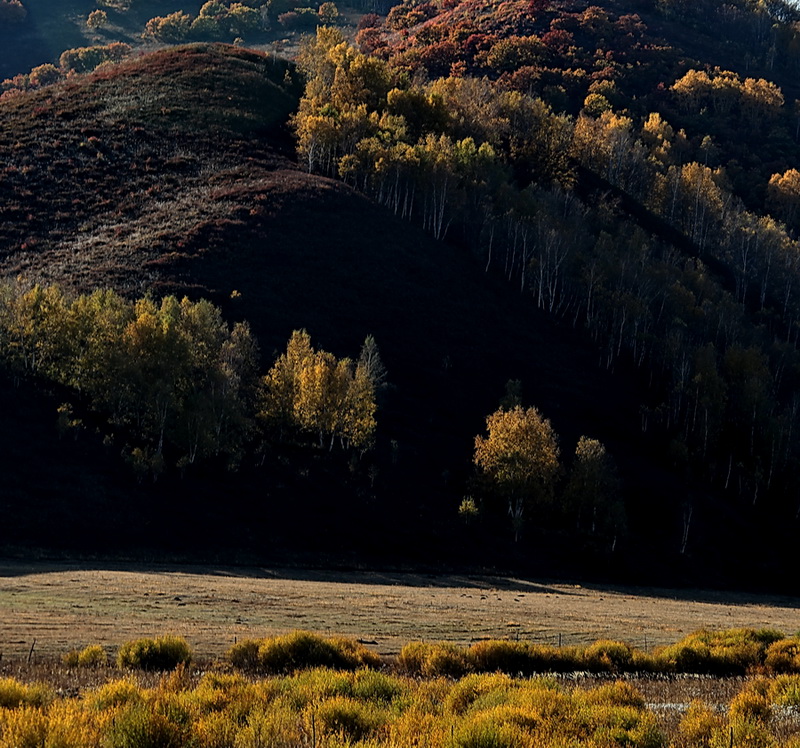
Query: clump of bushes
(92, 656)
(430, 660)
(608, 656)
(14, 694)
(141, 724)
(299, 650)
(352, 719)
(86, 59)
(728, 652)
(113, 694)
(163, 653)
(783, 656)
(521, 658)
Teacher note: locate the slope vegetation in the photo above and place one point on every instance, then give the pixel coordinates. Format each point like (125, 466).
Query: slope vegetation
(168, 174)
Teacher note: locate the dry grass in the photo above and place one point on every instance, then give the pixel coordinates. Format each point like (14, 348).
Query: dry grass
(65, 607)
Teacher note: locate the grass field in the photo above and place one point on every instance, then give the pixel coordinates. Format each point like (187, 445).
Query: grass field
(64, 606)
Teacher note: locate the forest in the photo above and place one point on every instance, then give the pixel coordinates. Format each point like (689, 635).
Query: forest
(574, 192)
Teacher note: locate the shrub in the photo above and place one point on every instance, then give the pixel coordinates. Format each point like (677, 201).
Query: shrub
(370, 685)
(783, 656)
(219, 730)
(608, 656)
(728, 652)
(44, 75)
(14, 694)
(622, 725)
(369, 21)
(501, 727)
(473, 688)
(271, 727)
(431, 660)
(163, 653)
(114, 693)
(299, 18)
(698, 726)
(24, 728)
(746, 733)
(328, 13)
(310, 686)
(92, 656)
(170, 29)
(243, 20)
(244, 654)
(643, 662)
(752, 703)
(346, 718)
(685, 657)
(86, 59)
(785, 690)
(142, 726)
(354, 655)
(302, 649)
(616, 694)
(69, 725)
(501, 655)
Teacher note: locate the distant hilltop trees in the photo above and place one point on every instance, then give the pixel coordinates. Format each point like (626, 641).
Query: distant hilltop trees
(12, 11)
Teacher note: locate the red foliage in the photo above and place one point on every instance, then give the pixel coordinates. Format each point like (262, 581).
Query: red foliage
(369, 21)
(559, 40)
(370, 40)
(478, 43)
(526, 79)
(438, 58)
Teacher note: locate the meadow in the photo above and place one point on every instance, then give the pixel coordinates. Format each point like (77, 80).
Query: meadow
(64, 606)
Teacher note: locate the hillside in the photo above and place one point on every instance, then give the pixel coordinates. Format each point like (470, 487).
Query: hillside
(174, 173)
(302, 251)
(198, 199)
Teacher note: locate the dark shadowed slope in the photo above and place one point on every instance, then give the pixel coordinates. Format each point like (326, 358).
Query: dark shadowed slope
(166, 174)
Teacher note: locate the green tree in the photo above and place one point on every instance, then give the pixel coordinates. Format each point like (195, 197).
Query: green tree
(520, 456)
(370, 361)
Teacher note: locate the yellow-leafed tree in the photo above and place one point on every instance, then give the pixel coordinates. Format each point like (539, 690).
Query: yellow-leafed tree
(315, 392)
(520, 456)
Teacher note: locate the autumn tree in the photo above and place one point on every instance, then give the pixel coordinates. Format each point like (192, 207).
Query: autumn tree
(97, 19)
(328, 13)
(280, 386)
(174, 373)
(86, 59)
(12, 11)
(314, 392)
(519, 455)
(171, 29)
(783, 196)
